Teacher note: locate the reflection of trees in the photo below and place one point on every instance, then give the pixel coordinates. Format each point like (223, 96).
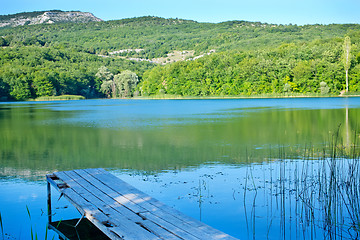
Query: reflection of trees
(347, 130)
(39, 139)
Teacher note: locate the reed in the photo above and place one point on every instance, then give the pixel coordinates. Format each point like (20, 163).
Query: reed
(61, 97)
(2, 227)
(314, 196)
(33, 234)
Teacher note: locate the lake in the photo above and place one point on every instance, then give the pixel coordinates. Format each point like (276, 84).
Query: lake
(216, 160)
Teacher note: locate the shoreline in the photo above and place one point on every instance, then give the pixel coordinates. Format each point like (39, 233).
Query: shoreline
(233, 97)
(173, 97)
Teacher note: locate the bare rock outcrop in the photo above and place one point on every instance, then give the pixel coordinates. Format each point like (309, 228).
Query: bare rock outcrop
(47, 17)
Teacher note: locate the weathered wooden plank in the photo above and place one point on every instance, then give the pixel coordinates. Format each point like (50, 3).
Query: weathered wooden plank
(76, 199)
(132, 234)
(116, 211)
(109, 191)
(215, 233)
(81, 203)
(176, 230)
(125, 227)
(98, 195)
(184, 225)
(104, 217)
(124, 212)
(91, 212)
(159, 231)
(175, 224)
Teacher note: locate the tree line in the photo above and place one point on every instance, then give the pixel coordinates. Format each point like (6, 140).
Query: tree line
(251, 58)
(315, 67)
(31, 72)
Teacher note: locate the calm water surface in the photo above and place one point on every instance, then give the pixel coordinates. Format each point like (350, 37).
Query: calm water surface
(191, 154)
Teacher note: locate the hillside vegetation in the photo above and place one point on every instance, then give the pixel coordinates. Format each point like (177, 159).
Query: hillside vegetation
(313, 67)
(246, 57)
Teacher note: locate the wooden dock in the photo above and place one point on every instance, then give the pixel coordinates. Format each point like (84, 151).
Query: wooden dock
(121, 211)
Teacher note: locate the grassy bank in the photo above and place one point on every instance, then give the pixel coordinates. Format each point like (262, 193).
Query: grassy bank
(61, 97)
(170, 96)
(292, 95)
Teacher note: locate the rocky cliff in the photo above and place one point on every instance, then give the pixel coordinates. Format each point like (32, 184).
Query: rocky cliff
(47, 17)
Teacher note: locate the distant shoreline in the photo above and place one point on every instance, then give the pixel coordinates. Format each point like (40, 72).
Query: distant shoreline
(165, 97)
(237, 97)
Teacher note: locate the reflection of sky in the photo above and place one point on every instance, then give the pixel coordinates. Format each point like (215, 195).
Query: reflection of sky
(220, 186)
(140, 113)
(242, 200)
(215, 194)
(16, 197)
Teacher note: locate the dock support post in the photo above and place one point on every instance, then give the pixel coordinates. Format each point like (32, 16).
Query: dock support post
(49, 201)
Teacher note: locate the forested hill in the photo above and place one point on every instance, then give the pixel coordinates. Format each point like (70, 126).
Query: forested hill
(159, 36)
(246, 57)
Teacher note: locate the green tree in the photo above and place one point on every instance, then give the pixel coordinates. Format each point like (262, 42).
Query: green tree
(42, 85)
(3, 90)
(106, 87)
(303, 74)
(324, 88)
(19, 89)
(126, 83)
(347, 60)
(3, 42)
(108, 83)
(287, 88)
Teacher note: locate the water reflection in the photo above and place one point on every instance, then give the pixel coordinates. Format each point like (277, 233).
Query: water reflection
(347, 127)
(153, 136)
(190, 154)
(69, 230)
(284, 199)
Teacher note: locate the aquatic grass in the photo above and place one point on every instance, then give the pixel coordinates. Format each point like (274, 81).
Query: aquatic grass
(241, 96)
(28, 212)
(337, 193)
(311, 197)
(31, 228)
(61, 97)
(46, 231)
(2, 227)
(33, 234)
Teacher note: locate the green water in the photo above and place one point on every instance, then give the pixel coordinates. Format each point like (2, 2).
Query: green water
(161, 135)
(173, 140)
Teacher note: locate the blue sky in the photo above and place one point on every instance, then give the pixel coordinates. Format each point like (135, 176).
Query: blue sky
(270, 11)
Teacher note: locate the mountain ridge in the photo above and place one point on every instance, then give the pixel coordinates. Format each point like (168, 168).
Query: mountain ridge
(46, 17)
